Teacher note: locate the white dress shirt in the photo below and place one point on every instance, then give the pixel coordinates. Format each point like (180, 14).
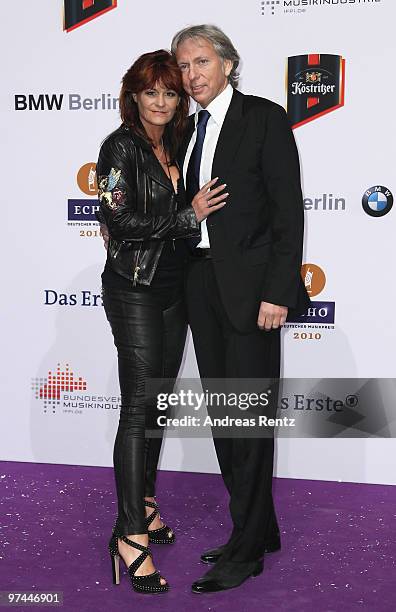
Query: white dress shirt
(218, 109)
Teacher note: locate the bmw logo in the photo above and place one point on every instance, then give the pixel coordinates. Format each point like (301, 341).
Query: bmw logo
(377, 201)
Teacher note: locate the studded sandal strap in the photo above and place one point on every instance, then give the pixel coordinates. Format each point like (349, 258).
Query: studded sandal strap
(153, 579)
(137, 563)
(150, 504)
(144, 549)
(146, 552)
(151, 517)
(161, 530)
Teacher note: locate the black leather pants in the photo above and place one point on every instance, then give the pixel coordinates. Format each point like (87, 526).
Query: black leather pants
(149, 334)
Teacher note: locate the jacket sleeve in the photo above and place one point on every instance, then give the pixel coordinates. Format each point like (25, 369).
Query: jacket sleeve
(281, 170)
(118, 193)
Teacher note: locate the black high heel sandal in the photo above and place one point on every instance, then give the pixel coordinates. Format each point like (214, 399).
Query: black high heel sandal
(149, 583)
(162, 535)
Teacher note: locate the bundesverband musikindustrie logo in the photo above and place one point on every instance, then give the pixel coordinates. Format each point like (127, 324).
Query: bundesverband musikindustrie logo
(62, 391)
(315, 86)
(51, 388)
(299, 8)
(78, 12)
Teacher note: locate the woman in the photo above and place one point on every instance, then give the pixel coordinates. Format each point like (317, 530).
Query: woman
(142, 204)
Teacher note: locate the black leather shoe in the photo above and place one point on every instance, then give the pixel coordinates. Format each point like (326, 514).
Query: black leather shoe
(207, 584)
(214, 554)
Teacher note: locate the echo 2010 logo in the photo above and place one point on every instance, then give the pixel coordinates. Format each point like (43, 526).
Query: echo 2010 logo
(315, 86)
(321, 314)
(81, 211)
(78, 12)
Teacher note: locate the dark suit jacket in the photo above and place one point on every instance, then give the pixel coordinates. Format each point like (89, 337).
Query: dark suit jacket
(257, 237)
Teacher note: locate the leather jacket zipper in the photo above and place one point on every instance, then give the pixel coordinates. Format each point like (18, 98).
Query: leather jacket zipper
(137, 268)
(115, 253)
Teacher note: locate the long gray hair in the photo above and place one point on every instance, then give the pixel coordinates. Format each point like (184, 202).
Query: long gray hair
(220, 41)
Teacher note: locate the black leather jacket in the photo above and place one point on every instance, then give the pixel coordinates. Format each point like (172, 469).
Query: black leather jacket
(139, 206)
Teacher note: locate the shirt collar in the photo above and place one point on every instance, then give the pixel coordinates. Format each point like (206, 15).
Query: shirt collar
(218, 107)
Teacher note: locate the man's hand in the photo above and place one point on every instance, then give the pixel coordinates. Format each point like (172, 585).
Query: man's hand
(208, 200)
(271, 316)
(104, 232)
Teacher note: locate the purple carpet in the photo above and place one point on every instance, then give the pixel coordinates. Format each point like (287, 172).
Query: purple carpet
(338, 542)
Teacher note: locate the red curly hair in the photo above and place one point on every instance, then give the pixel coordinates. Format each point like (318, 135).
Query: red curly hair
(149, 69)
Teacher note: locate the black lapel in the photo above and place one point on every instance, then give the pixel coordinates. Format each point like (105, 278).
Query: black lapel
(229, 137)
(186, 140)
(153, 168)
(150, 164)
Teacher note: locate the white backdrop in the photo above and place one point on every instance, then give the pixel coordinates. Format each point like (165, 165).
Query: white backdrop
(44, 257)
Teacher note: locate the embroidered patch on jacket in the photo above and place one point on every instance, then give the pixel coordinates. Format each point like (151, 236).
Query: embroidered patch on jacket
(108, 192)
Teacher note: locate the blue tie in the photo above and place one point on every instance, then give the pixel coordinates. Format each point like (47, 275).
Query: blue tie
(194, 164)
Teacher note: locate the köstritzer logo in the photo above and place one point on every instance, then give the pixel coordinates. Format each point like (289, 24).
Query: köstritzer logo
(78, 12)
(377, 201)
(315, 86)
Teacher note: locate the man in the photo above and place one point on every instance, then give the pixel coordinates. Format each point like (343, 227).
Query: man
(244, 273)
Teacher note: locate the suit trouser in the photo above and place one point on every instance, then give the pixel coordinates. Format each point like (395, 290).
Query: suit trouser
(150, 341)
(246, 464)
